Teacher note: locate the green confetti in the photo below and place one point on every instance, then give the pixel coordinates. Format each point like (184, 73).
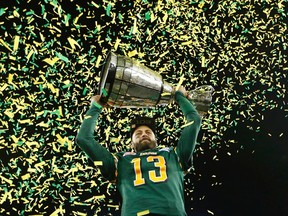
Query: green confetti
(2, 11)
(104, 92)
(108, 9)
(97, 105)
(60, 56)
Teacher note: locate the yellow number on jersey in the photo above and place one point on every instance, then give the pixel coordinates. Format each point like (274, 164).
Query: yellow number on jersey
(162, 165)
(159, 162)
(137, 168)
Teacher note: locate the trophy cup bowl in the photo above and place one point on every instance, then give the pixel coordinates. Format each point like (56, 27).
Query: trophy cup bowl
(126, 83)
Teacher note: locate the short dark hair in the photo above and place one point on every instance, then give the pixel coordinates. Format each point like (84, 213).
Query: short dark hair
(137, 122)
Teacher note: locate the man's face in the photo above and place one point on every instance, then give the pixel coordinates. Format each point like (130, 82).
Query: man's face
(143, 138)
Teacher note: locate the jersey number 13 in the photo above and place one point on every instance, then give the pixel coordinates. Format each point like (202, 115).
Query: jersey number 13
(159, 162)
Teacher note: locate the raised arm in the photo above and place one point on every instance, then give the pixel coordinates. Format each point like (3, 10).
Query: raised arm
(187, 141)
(85, 139)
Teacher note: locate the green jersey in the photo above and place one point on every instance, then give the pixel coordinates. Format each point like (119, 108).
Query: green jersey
(150, 181)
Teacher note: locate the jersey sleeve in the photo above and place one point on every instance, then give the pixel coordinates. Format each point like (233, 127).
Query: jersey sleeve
(99, 155)
(187, 141)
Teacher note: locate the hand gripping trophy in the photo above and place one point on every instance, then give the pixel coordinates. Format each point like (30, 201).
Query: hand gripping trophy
(126, 83)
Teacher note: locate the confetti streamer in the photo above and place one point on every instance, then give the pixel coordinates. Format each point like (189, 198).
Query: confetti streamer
(182, 78)
(146, 212)
(98, 61)
(5, 45)
(16, 43)
(72, 43)
(51, 61)
(10, 182)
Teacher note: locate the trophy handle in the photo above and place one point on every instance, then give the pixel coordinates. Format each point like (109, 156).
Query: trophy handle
(201, 98)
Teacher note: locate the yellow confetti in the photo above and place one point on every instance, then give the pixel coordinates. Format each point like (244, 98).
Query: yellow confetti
(55, 147)
(203, 61)
(152, 16)
(24, 121)
(210, 212)
(186, 43)
(10, 182)
(163, 54)
(97, 79)
(87, 116)
(113, 206)
(98, 163)
(134, 26)
(117, 44)
(16, 14)
(116, 139)
(32, 144)
(3, 87)
(146, 212)
(59, 211)
(98, 61)
(16, 43)
(69, 142)
(40, 164)
(165, 17)
(9, 114)
(76, 19)
(72, 43)
(15, 139)
(95, 5)
(39, 113)
(3, 143)
(4, 197)
(57, 170)
(182, 78)
(4, 44)
(51, 87)
(30, 54)
(189, 123)
(165, 94)
(25, 201)
(51, 61)
(132, 53)
(60, 139)
(60, 111)
(42, 124)
(10, 78)
(26, 176)
(95, 198)
(107, 132)
(31, 170)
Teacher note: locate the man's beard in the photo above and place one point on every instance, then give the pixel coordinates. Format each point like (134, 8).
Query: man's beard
(145, 144)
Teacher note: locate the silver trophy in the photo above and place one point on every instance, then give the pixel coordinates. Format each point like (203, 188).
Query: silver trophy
(126, 83)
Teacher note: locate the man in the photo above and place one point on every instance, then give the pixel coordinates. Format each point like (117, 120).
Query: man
(150, 180)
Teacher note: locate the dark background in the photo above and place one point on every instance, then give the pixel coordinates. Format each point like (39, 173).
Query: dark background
(51, 58)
